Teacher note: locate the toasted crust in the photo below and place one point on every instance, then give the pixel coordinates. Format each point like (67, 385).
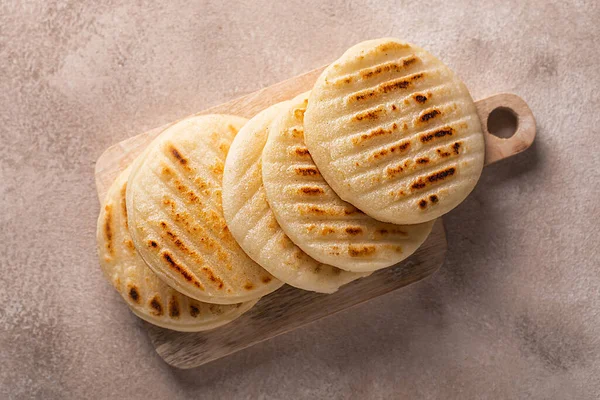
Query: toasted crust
(324, 226)
(176, 219)
(147, 296)
(252, 222)
(395, 132)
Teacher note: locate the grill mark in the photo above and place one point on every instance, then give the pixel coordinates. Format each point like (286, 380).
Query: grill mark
(447, 131)
(177, 241)
(393, 231)
(174, 310)
(311, 190)
(232, 129)
(380, 131)
(339, 225)
(134, 293)
(186, 173)
(181, 190)
(353, 230)
(376, 167)
(124, 205)
(395, 65)
(156, 305)
(299, 113)
(423, 203)
(419, 98)
(385, 47)
(391, 150)
(452, 150)
(313, 209)
(176, 155)
(249, 286)
(327, 230)
(108, 229)
(299, 151)
(370, 115)
(171, 172)
(430, 89)
(404, 195)
(212, 220)
(194, 310)
(217, 168)
(412, 168)
(428, 114)
(183, 271)
(342, 152)
(386, 87)
(361, 251)
(210, 240)
(293, 133)
(224, 149)
(456, 147)
(394, 195)
(458, 126)
(307, 171)
(433, 179)
(218, 282)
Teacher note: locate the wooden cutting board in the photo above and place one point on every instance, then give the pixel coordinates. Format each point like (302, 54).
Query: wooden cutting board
(290, 308)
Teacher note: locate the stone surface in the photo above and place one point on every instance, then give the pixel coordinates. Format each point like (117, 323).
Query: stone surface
(514, 312)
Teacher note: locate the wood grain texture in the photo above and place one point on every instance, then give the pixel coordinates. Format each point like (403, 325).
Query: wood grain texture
(290, 308)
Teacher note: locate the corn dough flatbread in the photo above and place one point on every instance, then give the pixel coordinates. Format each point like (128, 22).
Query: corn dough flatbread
(147, 296)
(395, 132)
(176, 219)
(324, 226)
(252, 222)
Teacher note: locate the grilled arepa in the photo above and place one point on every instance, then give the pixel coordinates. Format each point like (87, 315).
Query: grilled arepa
(313, 215)
(252, 222)
(176, 219)
(147, 296)
(395, 132)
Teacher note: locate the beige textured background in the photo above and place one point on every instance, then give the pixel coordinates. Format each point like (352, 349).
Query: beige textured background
(514, 313)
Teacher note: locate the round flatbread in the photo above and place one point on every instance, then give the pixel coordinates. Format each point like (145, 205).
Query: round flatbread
(327, 228)
(252, 222)
(147, 296)
(395, 132)
(176, 219)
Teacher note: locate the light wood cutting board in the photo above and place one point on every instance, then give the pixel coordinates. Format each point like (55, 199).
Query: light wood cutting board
(290, 308)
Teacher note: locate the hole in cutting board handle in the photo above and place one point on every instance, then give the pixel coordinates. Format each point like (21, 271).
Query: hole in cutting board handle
(504, 138)
(502, 122)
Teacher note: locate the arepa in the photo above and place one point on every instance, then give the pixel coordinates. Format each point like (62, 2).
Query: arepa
(176, 219)
(327, 228)
(395, 132)
(252, 222)
(147, 296)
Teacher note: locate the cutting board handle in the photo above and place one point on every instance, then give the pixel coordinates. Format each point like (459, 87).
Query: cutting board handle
(497, 148)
